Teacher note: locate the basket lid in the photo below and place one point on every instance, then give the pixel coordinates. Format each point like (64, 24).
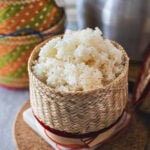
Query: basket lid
(142, 84)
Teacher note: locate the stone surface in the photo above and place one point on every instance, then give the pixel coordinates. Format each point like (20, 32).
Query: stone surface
(10, 103)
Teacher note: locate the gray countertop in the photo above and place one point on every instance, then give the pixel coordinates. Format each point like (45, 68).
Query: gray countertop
(10, 103)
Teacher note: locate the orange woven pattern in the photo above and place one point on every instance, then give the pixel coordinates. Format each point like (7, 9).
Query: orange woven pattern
(35, 15)
(78, 112)
(14, 2)
(14, 54)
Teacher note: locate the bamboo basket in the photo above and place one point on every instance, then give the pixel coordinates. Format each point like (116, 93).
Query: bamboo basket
(33, 14)
(14, 54)
(78, 112)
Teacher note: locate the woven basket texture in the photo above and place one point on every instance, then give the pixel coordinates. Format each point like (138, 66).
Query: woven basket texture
(39, 16)
(14, 54)
(78, 112)
(15, 2)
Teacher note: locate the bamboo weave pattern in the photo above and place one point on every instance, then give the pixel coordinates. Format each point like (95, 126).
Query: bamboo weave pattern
(78, 112)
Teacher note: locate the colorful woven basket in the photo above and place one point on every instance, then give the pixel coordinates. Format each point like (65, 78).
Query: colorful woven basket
(33, 14)
(78, 112)
(14, 54)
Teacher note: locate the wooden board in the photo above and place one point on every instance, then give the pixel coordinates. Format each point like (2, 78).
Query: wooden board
(136, 137)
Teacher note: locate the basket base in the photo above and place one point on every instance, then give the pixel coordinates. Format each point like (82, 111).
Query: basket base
(26, 138)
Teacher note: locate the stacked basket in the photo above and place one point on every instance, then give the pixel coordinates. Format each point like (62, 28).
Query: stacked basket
(23, 24)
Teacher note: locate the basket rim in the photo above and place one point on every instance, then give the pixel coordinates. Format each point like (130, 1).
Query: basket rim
(107, 87)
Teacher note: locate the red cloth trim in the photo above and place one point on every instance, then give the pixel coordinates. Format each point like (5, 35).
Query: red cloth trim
(146, 91)
(65, 145)
(122, 131)
(145, 94)
(74, 146)
(73, 135)
(138, 81)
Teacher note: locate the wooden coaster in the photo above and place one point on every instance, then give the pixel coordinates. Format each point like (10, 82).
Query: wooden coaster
(25, 137)
(136, 137)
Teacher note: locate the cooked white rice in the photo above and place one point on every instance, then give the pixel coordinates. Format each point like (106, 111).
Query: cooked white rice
(81, 60)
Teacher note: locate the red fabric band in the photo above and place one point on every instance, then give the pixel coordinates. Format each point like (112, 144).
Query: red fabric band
(135, 101)
(72, 135)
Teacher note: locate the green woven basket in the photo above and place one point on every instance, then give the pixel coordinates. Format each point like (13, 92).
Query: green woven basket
(14, 54)
(38, 15)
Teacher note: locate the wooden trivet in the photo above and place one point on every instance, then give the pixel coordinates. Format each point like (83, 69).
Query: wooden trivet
(136, 137)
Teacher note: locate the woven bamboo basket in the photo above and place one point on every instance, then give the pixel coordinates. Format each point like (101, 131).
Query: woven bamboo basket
(33, 14)
(14, 54)
(78, 112)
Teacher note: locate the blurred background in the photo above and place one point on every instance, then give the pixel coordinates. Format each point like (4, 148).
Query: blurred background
(127, 22)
